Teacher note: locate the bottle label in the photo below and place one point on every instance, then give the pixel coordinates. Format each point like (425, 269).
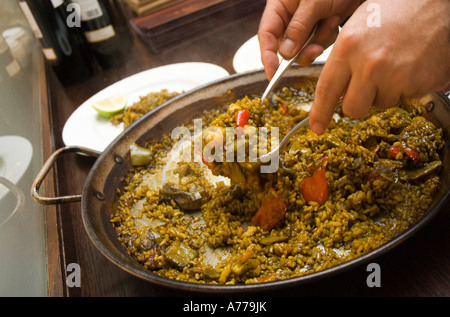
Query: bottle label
(49, 54)
(31, 20)
(90, 9)
(56, 3)
(100, 34)
(13, 68)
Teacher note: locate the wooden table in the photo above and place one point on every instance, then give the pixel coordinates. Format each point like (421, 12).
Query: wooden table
(418, 267)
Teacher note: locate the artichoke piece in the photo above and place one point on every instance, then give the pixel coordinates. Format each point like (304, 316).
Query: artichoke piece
(185, 200)
(234, 171)
(295, 148)
(147, 241)
(388, 170)
(236, 175)
(210, 274)
(140, 155)
(180, 253)
(236, 192)
(334, 141)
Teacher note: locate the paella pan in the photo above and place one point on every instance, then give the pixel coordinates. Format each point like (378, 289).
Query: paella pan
(208, 231)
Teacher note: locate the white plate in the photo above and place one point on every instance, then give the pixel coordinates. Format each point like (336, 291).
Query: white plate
(248, 56)
(15, 157)
(86, 128)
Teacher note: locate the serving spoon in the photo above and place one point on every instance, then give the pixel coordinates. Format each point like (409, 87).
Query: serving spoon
(274, 153)
(282, 67)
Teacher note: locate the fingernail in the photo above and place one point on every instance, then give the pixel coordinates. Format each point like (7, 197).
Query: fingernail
(287, 47)
(317, 128)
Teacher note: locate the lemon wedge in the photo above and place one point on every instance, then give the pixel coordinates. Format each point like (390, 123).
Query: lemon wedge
(111, 106)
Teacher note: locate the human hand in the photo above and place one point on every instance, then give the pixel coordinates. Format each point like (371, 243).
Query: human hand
(407, 56)
(286, 25)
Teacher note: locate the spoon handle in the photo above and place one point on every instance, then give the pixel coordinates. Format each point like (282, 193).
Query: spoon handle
(276, 151)
(284, 64)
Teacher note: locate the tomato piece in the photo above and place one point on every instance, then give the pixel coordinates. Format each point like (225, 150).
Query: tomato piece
(393, 151)
(268, 278)
(315, 187)
(412, 154)
(284, 108)
(271, 212)
(241, 117)
(205, 161)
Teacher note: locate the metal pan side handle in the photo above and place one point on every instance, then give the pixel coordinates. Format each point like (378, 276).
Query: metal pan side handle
(19, 196)
(46, 168)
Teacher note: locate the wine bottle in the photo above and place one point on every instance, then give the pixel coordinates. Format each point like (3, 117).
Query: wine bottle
(64, 15)
(64, 49)
(101, 33)
(120, 22)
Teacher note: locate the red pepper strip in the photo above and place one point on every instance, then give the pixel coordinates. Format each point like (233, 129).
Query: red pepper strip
(412, 154)
(315, 187)
(241, 117)
(284, 108)
(393, 151)
(205, 161)
(271, 211)
(268, 278)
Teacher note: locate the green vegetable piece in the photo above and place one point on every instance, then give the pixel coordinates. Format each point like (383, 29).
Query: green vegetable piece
(295, 148)
(272, 239)
(425, 170)
(334, 141)
(180, 253)
(140, 155)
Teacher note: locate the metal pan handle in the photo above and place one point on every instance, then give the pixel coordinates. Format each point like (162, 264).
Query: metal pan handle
(46, 168)
(19, 195)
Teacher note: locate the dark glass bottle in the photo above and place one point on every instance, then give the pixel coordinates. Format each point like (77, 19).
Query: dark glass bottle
(63, 47)
(101, 32)
(118, 16)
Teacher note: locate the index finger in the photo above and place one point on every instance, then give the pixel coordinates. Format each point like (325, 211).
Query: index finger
(332, 83)
(271, 28)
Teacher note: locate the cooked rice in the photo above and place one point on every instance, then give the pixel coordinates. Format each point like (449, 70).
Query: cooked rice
(145, 104)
